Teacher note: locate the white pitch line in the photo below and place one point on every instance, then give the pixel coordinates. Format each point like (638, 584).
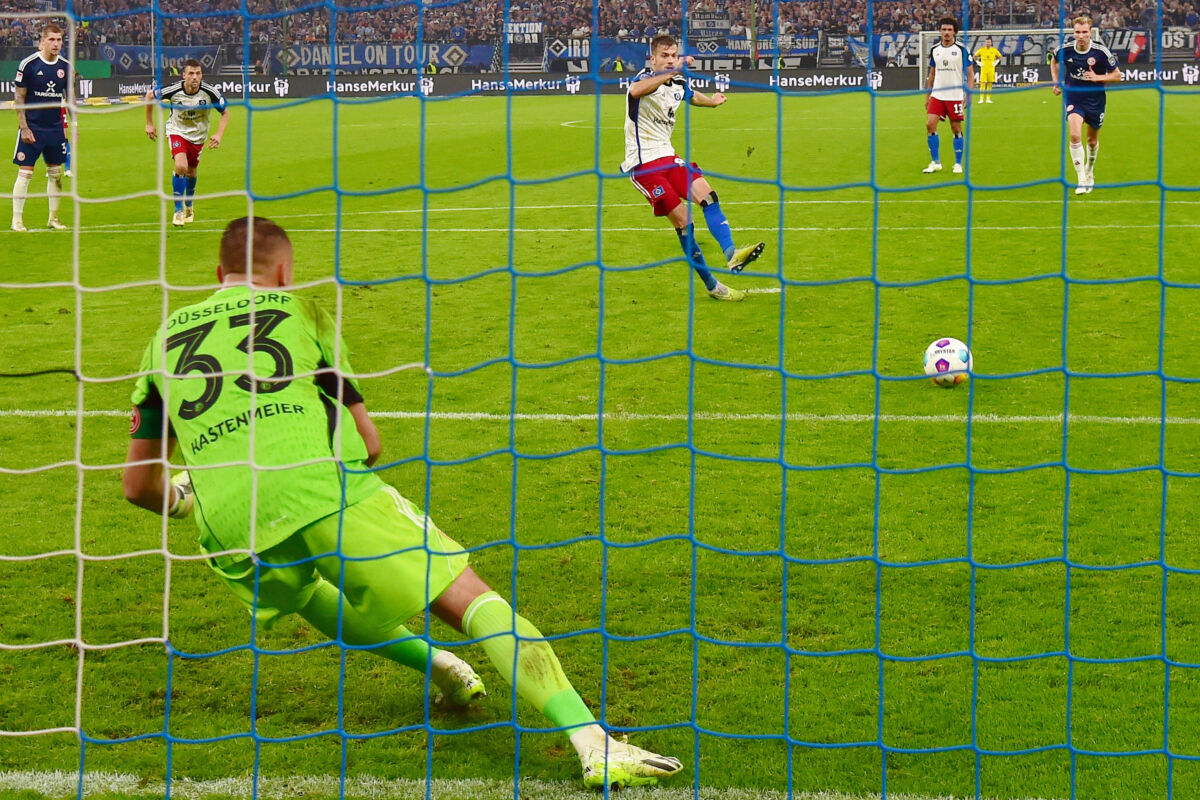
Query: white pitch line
(700, 416)
(65, 784)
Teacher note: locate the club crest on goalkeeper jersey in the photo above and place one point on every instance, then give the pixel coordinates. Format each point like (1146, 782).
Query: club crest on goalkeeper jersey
(189, 112)
(244, 382)
(650, 120)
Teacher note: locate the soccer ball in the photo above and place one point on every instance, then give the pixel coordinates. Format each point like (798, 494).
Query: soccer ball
(948, 362)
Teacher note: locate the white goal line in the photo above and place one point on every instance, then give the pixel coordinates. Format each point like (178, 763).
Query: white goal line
(699, 416)
(65, 784)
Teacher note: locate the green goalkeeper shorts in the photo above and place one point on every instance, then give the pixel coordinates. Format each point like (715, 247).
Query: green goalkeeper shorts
(393, 563)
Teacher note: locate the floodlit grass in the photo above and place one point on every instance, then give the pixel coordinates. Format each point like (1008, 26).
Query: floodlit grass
(846, 572)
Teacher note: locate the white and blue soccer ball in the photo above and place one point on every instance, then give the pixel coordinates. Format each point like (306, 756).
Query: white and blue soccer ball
(948, 362)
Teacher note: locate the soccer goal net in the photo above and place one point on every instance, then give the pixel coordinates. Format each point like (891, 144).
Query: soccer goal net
(755, 535)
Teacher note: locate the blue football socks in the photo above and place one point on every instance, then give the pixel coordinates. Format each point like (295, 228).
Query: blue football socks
(718, 226)
(687, 239)
(178, 187)
(190, 190)
(958, 148)
(934, 147)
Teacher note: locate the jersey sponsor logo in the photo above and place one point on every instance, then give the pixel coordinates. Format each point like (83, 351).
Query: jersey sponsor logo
(135, 421)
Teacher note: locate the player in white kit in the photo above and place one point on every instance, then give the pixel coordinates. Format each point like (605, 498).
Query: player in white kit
(950, 69)
(190, 101)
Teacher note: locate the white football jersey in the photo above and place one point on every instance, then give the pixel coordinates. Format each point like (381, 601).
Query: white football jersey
(650, 121)
(189, 112)
(950, 70)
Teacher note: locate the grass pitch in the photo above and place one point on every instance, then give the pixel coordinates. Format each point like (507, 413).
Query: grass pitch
(817, 571)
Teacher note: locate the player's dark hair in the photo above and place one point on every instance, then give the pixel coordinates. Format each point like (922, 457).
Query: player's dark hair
(951, 21)
(267, 238)
(662, 40)
(193, 63)
(53, 27)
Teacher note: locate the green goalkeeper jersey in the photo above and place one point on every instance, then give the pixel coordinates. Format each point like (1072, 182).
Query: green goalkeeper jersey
(243, 381)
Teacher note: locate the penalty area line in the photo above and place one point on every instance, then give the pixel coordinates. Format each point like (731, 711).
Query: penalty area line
(699, 416)
(63, 784)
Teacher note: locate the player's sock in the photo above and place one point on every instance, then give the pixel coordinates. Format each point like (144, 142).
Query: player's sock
(718, 225)
(1092, 152)
(1078, 158)
(322, 613)
(538, 676)
(54, 187)
(935, 147)
(20, 191)
(178, 187)
(959, 141)
(189, 190)
(687, 239)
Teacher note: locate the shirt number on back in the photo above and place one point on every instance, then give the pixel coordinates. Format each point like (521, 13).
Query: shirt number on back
(191, 360)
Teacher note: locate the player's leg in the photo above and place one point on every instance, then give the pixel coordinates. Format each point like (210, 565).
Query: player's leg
(522, 655)
(736, 257)
(54, 155)
(189, 215)
(179, 177)
(20, 192)
(1093, 150)
(1075, 146)
(959, 142)
(931, 126)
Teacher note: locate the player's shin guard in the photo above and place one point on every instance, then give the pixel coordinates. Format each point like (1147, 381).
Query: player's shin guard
(322, 613)
(935, 147)
(538, 676)
(20, 191)
(687, 239)
(189, 190)
(178, 187)
(958, 148)
(718, 225)
(54, 187)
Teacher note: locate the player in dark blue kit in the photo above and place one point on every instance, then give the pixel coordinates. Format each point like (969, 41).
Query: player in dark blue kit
(1087, 66)
(42, 81)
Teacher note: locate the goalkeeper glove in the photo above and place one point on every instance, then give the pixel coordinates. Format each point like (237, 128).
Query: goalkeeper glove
(181, 489)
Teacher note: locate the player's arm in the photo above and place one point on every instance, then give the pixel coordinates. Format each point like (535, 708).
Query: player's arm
(1114, 76)
(648, 84)
(929, 80)
(367, 430)
(145, 481)
(151, 130)
(1054, 75)
(970, 77)
(19, 94)
(704, 101)
(215, 140)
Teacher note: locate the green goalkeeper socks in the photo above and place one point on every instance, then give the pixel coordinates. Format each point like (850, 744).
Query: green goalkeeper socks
(322, 613)
(539, 677)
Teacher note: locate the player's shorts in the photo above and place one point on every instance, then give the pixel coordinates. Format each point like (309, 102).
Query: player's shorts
(191, 149)
(393, 569)
(49, 145)
(945, 109)
(987, 75)
(665, 182)
(1092, 113)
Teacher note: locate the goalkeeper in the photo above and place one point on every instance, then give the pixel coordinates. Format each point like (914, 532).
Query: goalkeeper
(253, 385)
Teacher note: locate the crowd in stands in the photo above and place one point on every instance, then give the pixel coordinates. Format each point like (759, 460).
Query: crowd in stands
(186, 22)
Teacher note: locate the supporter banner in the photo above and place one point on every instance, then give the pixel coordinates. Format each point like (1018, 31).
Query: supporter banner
(523, 32)
(131, 59)
(708, 27)
(449, 84)
(314, 59)
(1180, 44)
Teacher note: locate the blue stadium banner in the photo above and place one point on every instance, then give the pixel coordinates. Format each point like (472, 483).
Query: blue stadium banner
(315, 59)
(131, 59)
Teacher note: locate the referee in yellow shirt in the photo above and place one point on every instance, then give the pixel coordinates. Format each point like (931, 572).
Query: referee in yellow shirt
(987, 58)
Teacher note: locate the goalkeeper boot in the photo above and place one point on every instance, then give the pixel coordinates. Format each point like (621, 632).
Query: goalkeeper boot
(177, 220)
(188, 215)
(56, 224)
(934, 166)
(620, 764)
(723, 292)
(456, 681)
(744, 255)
